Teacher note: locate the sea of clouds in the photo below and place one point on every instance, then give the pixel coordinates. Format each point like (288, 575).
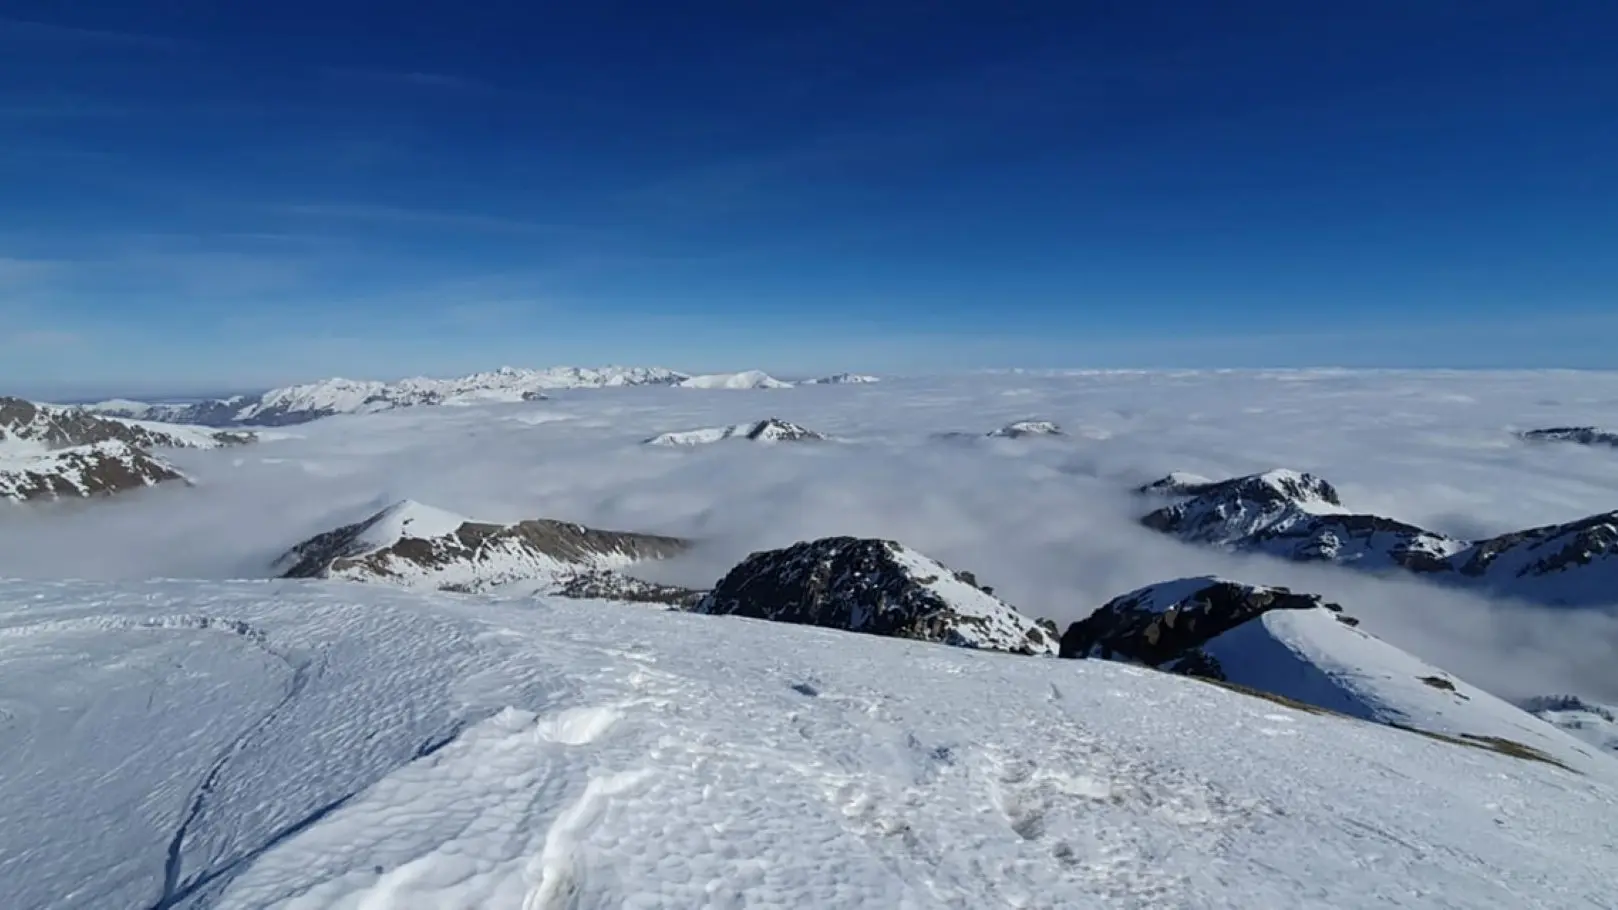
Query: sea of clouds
(1049, 523)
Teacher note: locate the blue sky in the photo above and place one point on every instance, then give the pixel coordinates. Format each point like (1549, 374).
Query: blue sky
(218, 195)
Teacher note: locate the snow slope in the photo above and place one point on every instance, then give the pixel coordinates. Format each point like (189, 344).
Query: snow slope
(30, 472)
(302, 746)
(750, 379)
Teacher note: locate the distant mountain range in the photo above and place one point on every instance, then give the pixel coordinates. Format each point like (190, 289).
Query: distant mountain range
(52, 452)
(312, 401)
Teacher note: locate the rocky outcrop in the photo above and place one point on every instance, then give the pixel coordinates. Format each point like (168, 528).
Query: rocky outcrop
(877, 587)
(1585, 436)
(98, 469)
(413, 545)
(768, 430)
(1301, 517)
(1168, 623)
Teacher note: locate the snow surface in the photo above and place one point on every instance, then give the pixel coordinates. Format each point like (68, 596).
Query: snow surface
(27, 467)
(843, 379)
(750, 379)
(1313, 657)
(1001, 628)
(770, 430)
(307, 745)
(408, 519)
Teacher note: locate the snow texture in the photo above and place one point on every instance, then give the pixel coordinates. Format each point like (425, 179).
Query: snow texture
(301, 746)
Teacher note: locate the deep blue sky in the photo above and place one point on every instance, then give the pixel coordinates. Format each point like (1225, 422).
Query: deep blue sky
(213, 194)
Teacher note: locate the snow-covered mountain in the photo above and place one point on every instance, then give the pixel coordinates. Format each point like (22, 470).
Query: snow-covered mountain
(246, 745)
(878, 587)
(51, 452)
(1019, 429)
(97, 469)
(1304, 649)
(410, 544)
(750, 379)
(311, 401)
(770, 429)
(1301, 517)
(1588, 436)
(843, 379)
(1596, 724)
(56, 426)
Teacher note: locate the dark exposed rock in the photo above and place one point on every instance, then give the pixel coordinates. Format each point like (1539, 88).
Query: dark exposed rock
(1168, 622)
(876, 587)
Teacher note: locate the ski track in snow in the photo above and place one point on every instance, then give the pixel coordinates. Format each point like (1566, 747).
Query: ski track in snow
(442, 751)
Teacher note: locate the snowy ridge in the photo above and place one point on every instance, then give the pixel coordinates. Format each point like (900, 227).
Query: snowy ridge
(1588, 721)
(311, 401)
(1301, 648)
(875, 587)
(412, 545)
(381, 748)
(843, 379)
(750, 379)
(770, 429)
(1300, 517)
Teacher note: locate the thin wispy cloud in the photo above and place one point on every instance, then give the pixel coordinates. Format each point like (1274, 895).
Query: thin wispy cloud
(409, 78)
(26, 30)
(398, 215)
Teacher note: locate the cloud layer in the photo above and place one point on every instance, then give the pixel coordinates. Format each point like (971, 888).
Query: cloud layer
(1050, 523)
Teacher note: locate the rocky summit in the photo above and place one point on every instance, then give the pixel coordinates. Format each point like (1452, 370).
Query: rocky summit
(413, 545)
(877, 587)
(1166, 624)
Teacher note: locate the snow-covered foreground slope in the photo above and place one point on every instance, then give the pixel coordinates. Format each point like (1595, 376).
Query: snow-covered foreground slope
(306, 745)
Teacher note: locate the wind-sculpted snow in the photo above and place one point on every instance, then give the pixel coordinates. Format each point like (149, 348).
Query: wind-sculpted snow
(1300, 517)
(414, 545)
(877, 587)
(382, 748)
(1305, 649)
